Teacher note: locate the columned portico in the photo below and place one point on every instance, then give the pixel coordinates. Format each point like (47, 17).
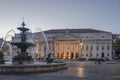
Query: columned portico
(67, 49)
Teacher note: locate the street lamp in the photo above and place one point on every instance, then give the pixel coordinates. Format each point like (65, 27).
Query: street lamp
(80, 48)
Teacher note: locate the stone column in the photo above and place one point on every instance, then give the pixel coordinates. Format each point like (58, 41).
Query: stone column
(57, 46)
(74, 51)
(64, 50)
(69, 55)
(42, 50)
(59, 49)
(55, 49)
(37, 48)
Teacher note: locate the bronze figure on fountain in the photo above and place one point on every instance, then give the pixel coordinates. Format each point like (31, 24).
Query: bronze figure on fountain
(49, 59)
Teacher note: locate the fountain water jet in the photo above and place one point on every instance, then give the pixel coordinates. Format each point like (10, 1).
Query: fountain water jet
(6, 38)
(46, 41)
(1, 53)
(10, 51)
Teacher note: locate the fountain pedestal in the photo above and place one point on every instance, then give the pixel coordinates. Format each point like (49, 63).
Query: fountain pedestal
(22, 59)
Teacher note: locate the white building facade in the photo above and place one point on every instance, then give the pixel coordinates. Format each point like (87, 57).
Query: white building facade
(71, 43)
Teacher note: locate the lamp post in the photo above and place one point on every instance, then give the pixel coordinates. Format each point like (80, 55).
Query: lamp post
(80, 48)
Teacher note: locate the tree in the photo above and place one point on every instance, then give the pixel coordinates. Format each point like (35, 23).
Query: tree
(117, 46)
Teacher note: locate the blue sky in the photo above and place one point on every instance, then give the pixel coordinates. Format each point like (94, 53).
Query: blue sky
(60, 14)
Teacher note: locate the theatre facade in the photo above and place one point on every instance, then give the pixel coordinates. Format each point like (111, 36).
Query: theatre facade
(71, 43)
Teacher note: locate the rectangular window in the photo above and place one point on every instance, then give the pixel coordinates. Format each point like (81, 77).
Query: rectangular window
(97, 55)
(108, 47)
(108, 54)
(86, 54)
(91, 47)
(97, 48)
(91, 55)
(87, 48)
(102, 47)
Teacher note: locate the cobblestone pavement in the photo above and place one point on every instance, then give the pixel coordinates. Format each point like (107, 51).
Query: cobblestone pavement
(76, 71)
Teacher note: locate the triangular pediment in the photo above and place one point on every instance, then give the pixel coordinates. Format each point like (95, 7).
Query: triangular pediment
(67, 37)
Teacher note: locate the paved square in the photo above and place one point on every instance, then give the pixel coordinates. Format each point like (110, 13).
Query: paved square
(76, 71)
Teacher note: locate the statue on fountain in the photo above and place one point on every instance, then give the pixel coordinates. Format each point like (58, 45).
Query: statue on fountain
(49, 59)
(23, 57)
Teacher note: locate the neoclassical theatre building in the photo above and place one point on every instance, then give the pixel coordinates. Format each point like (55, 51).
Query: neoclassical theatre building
(70, 43)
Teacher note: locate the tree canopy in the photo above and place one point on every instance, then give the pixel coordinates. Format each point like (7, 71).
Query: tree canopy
(117, 46)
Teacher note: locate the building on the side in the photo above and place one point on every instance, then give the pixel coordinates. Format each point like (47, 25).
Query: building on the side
(70, 43)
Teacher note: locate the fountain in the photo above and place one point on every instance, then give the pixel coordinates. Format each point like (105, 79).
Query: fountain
(23, 62)
(23, 57)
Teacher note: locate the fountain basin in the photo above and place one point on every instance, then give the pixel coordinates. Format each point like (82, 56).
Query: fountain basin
(23, 62)
(31, 68)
